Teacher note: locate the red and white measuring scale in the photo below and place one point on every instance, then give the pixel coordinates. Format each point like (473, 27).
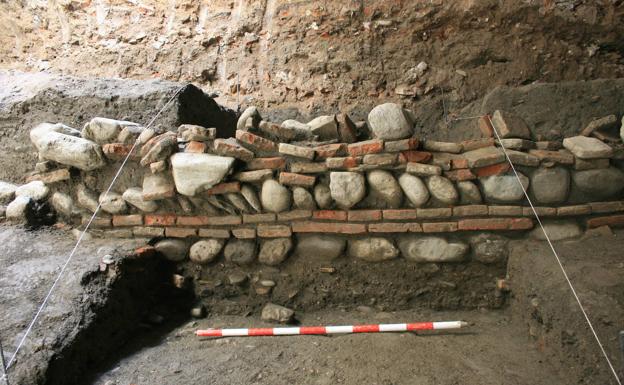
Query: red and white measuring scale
(324, 330)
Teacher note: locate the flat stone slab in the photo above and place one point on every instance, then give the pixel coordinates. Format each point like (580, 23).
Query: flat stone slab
(587, 148)
(195, 172)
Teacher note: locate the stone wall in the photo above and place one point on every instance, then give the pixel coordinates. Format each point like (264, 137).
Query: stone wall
(325, 188)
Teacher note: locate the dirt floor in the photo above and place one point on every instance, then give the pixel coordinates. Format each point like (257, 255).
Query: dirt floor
(538, 338)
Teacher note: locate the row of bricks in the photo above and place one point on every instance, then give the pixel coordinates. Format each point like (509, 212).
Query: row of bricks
(359, 215)
(279, 231)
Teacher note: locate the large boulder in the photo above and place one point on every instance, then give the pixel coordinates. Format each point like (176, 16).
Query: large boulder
(206, 250)
(550, 185)
(240, 251)
(432, 249)
(274, 251)
(104, 130)
(384, 190)
(320, 247)
(175, 250)
(415, 189)
(372, 249)
(504, 188)
(347, 188)
(54, 143)
(274, 196)
(585, 147)
(442, 189)
(193, 173)
(598, 184)
(389, 121)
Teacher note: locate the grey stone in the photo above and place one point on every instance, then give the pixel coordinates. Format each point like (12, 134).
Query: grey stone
(599, 184)
(274, 251)
(550, 185)
(384, 190)
(134, 196)
(587, 148)
(415, 189)
(237, 278)
(129, 134)
(198, 312)
(510, 125)
(251, 196)
(104, 130)
(489, 248)
(159, 148)
(322, 196)
(53, 144)
(7, 192)
(320, 247)
(63, 204)
(112, 203)
(372, 249)
(469, 193)
(206, 250)
(146, 135)
(86, 198)
(389, 121)
(557, 230)
(18, 209)
(250, 112)
(442, 189)
(432, 249)
(192, 132)
(238, 202)
(302, 199)
(157, 186)
(276, 313)
(193, 173)
(275, 197)
(622, 129)
(325, 127)
(504, 188)
(36, 190)
(240, 251)
(347, 188)
(175, 250)
(300, 130)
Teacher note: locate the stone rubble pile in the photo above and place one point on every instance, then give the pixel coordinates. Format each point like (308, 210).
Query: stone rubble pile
(371, 190)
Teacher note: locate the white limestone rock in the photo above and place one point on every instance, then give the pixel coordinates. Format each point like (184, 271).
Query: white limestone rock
(36, 190)
(134, 196)
(347, 188)
(415, 189)
(104, 130)
(432, 249)
(193, 173)
(389, 121)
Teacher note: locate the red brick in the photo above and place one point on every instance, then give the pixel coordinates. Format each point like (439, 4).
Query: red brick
(606, 207)
(226, 220)
(275, 163)
(223, 188)
(180, 232)
(214, 233)
(459, 163)
(485, 126)
(502, 211)
(401, 145)
(612, 221)
(331, 215)
(259, 218)
(273, 231)
(460, 175)
(541, 211)
(118, 151)
(128, 220)
(330, 150)
(51, 177)
(484, 224)
(394, 228)
(199, 220)
(255, 142)
(229, 147)
(292, 179)
(495, 169)
(573, 210)
(372, 146)
(414, 157)
(328, 227)
(443, 212)
(98, 222)
(244, 233)
(294, 215)
(474, 144)
(400, 214)
(253, 176)
(439, 227)
(141, 231)
(470, 210)
(520, 224)
(196, 147)
(160, 219)
(561, 156)
(346, 162)
(144, 251)
(364, 215)
(308, 167)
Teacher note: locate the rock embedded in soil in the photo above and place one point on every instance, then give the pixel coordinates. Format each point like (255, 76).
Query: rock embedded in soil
(63, 204)
(192, 132)
(157, 186)
(324, 126)
(550, 185)
(112, 203)
(384, 190)
(489, 248)
(237, 278)
(18, 210)
(7, 192)
(69, 150)
(322, 196)
(347, 188)
(442, 189)
(104, 130)
(557, 230)
(510, 125)
(303, 199)
(372, 249)
(504, 188)
(240, 251)
(321, 247)
(86, 198)
(587, 148)
(175, 250)
(277, 313)
(193, 173)
(606, 183)
(36, 190)
(275, 197)
(389, 121)
(206, 250)
(469, 193)
(134, 196)
(415, 189)
(432, 249)
(274, 251)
